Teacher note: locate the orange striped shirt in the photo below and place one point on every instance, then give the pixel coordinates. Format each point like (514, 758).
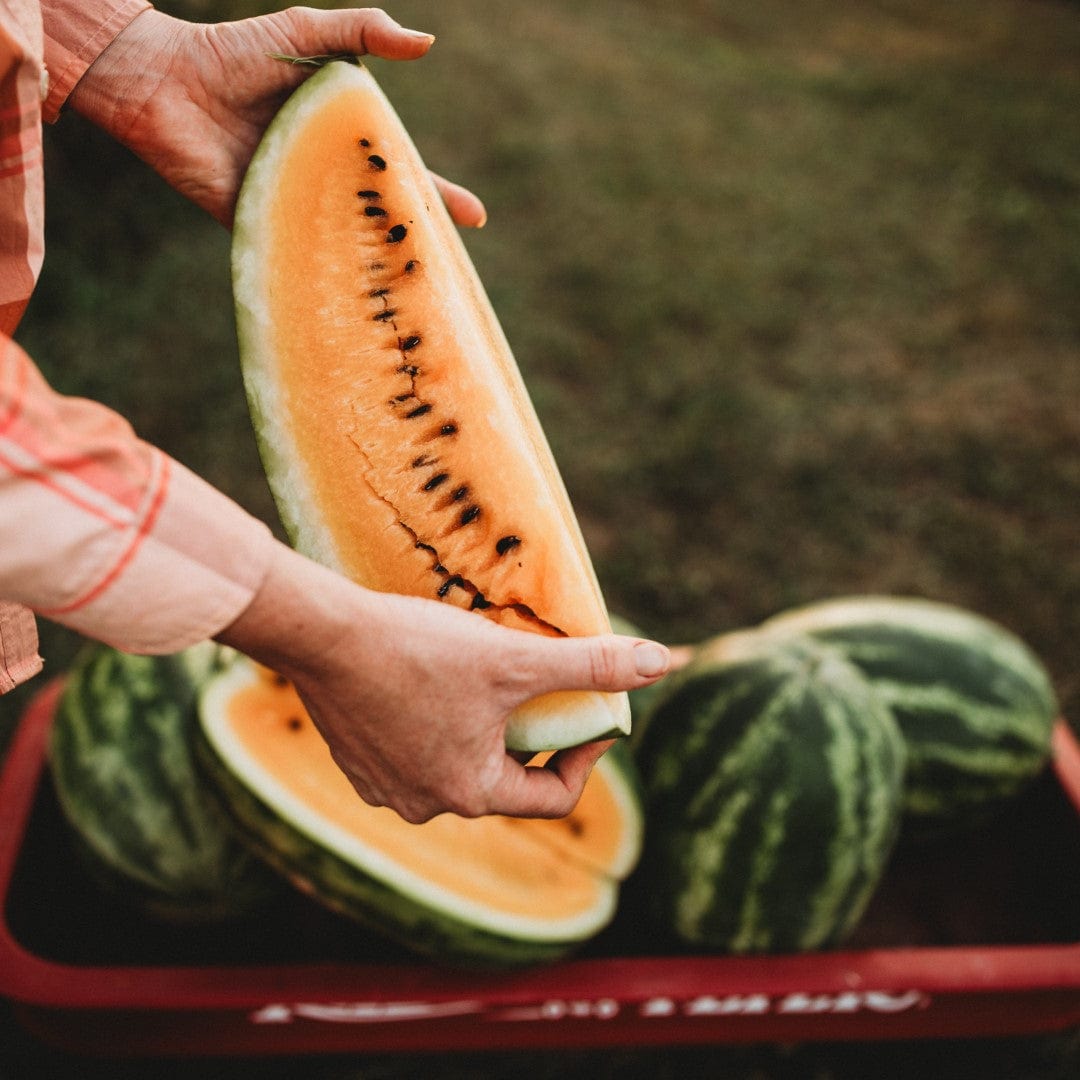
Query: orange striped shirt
(99, 531)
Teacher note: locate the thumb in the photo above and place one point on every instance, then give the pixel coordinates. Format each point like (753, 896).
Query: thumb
(607, 662)
(358, 32)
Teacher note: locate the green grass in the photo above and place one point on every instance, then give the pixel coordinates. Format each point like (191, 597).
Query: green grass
(795, 293)
(795, 287)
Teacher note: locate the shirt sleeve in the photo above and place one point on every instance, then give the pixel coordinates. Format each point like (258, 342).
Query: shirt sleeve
(76, 33)
(105, 534)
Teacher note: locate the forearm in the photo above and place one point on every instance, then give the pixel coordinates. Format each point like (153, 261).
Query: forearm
(297, 617)
(103, 533)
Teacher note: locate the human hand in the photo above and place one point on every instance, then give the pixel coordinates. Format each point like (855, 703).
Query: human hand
(412, 696)
(193, 100)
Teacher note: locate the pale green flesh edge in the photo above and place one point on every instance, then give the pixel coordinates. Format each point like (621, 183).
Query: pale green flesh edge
(596, 717)
(530, 728)
(296, 507)
(381, 869)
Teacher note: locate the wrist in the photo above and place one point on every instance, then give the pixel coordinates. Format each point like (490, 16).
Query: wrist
(115, 87)
(297, 617)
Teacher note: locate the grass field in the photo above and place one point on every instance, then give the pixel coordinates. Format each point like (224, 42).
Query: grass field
(796, 290)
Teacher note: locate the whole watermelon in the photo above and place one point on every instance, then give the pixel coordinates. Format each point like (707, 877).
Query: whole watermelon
(772, 777)
(143, 820)
(975, 705)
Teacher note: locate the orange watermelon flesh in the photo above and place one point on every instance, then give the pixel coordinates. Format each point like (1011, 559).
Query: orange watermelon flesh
(397, 434)
(531, 877)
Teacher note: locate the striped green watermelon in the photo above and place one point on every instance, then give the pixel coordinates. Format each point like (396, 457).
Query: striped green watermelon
(489, 892)
(143, 821)
(772, 777)
(974, 703)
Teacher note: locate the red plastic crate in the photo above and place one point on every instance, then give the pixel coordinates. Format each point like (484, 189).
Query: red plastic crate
(903, 978)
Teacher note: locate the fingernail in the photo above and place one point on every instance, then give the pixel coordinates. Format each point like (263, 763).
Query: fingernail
(430, 38)
(650, 659)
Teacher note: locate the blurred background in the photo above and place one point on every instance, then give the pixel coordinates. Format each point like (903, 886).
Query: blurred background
(795, 288)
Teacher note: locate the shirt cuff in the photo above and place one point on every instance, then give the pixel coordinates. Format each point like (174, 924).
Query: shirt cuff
(189, 578)
(19, 658)
(77, 32)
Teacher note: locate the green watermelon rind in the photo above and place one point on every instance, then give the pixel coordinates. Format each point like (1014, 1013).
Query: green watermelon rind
(251, 887)
(773, 785)
(347, 890)
(141, 822)
(975, 704)
(622, 776)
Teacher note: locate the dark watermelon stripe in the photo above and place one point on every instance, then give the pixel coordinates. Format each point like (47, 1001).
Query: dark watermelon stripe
(666, 766)
(969, 732)
(744, 691)
(880, 766)
(125, 718)
(977, 670)
(974, 703)
(722, 857)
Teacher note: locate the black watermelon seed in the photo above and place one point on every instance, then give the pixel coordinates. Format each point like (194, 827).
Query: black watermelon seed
(420, 410)
(436, 480)
(424, 547)
(448, 429)
(367, 193)
(377, 162)
(408, 343)
(507, 543)
(404, 397)
(385, 315)
(396, 234)
(469, 514)
(409, 369)
(374, 211)
(449, 583)
(365, 142)
(411, 265)
(420, 462)
(459, 493)
(295, 723)
(479, 602)
(376, 293)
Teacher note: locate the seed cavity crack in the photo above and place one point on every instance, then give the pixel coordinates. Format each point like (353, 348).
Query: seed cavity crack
(479, 601)
(449, 579)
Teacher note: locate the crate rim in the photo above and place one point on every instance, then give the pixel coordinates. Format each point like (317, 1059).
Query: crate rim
(28, 979)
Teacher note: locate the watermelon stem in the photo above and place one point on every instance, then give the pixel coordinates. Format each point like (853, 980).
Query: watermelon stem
(316, 61)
